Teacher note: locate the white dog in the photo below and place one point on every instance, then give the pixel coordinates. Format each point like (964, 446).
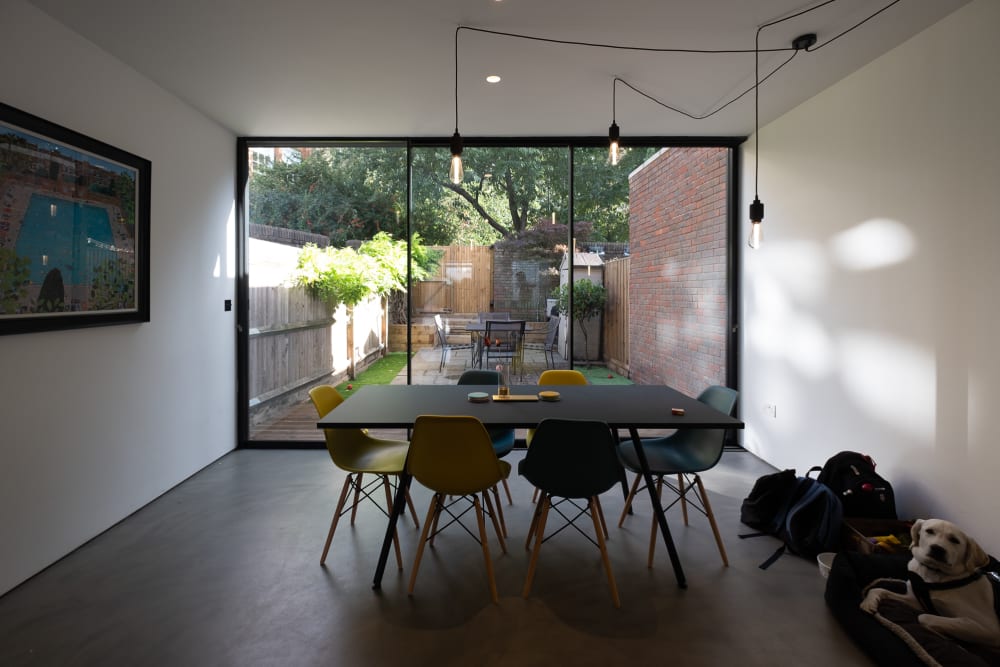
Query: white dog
(959, 598)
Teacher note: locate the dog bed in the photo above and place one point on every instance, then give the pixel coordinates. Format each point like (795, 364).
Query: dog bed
(894, 637)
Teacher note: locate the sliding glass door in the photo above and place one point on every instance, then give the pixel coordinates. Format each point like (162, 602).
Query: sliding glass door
(366, 264)
(320, 218)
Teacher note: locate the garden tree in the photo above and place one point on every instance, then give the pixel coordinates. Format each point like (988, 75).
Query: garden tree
(342, 193)
(588, 301)
(347, 276)
(354, 192)
(602, 192)
(14, 277)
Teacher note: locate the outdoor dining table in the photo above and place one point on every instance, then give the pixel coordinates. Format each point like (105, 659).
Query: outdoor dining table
(477, 329)
(631, 407)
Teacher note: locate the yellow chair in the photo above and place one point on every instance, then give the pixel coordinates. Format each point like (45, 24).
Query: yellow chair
(561, 376)
(453, 456)
(357, 453)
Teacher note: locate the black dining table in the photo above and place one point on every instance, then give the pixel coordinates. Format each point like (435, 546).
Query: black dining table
(631, 407)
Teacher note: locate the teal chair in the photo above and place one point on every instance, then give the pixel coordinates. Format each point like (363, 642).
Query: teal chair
(571, 462)
(685, 453)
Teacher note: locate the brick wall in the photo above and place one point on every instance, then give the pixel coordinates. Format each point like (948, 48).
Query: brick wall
(677, 296)
(522, 284)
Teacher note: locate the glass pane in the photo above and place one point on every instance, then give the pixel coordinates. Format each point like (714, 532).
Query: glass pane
(656, 239)
(339, 213)
(498, 238)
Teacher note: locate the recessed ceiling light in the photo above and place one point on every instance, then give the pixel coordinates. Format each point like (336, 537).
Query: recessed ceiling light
(493, 78)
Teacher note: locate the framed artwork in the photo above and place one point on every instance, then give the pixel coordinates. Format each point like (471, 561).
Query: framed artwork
(74, 229)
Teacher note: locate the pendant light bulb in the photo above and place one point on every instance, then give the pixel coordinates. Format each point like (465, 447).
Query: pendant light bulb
(614, 150)
(455, 172)
(756, 218)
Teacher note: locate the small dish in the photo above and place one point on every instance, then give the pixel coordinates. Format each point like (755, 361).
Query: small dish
(478, 397)
(548, 395)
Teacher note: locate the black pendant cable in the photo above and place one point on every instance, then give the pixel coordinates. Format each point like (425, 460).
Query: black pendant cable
(757, 207)
(806, 42)
(455, 172)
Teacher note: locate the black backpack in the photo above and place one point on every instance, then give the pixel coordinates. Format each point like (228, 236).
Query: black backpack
(862, 491)
(800, 511)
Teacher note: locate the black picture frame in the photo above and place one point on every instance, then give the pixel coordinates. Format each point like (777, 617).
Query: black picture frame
(74, 229)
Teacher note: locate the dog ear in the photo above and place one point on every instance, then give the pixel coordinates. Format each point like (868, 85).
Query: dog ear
(975, 556)
(915, 532)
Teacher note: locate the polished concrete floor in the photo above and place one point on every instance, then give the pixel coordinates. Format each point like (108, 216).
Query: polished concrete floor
(224, 570)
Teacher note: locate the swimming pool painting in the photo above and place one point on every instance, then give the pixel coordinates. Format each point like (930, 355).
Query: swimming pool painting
(58, 234)
(74, 229)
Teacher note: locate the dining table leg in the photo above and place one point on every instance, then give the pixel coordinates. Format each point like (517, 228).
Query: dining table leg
(657, 510)
(398, 507)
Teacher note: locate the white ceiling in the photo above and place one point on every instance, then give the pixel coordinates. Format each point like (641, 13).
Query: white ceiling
(385, 68)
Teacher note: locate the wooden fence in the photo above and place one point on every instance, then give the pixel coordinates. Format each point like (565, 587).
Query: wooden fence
(462, 284)
(616, 350)
(294, 342)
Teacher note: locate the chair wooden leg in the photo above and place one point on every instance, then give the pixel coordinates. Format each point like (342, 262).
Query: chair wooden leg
(655, 528)
(534, 524)
(358, 479)
(594, 513)
(498, 527)
(336, 518)
(395, 533)
(684, 507)
(431, 515)
(629, 499)
(600, 514)
(486, 549)
(539, 533)
(711, 519)
(499, 510)
(437, 517)
(506, 488)
(534, 495)
(413, 510)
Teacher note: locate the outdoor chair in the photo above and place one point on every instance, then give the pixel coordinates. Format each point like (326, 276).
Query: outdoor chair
(357, 453)
(504, 344)
(548, 348)
(453, 456)
(571, 461)
(446, 347)
(685, 453)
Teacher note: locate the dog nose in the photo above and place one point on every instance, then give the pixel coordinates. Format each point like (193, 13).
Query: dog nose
(938, 553)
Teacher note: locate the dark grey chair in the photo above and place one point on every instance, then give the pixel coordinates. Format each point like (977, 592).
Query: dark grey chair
(446, 347)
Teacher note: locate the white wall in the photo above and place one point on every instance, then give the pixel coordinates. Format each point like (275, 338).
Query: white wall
(871, 313)
(98, 422)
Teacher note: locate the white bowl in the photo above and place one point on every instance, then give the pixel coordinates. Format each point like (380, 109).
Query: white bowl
(825, 561)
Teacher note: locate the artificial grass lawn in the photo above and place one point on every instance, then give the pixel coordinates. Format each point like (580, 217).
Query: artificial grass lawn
(601, 375)
(382, 371)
